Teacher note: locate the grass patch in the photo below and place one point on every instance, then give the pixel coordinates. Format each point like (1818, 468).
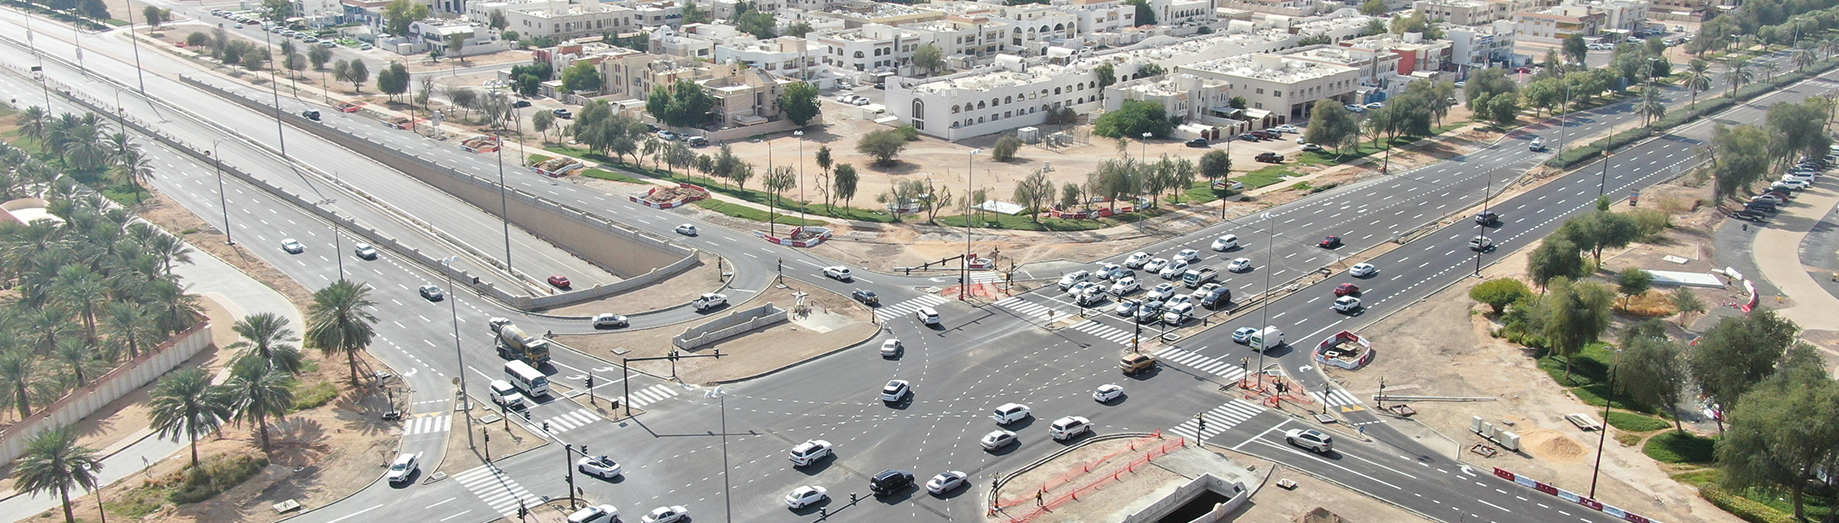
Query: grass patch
(1632, 422)
(718, 186)
(1266, 176)
(1680, 447)
(1699, 477)
(214, 475)
(313, 395)
(1201, 191)
(750, 213)
(1743, 507)
(539, 158)
(604, 174)
(1022, 223)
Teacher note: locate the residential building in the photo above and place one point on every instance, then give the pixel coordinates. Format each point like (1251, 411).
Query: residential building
(1106, 16)
(860, 14)
(1415, 53)
(1681, 10)
(1554, 24)
(871, 48)
(1202, 104)
(783, 56)
(1287, 87)
(1464, 12)
(1276, 7)
(744, 95)
(1486, 45)
(1011, 93)
(479, 38)
(1618, 14)
(561, 20)
(691, 40)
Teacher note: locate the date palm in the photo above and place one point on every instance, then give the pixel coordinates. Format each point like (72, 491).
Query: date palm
(53, 462)
(128, 326)
(185, 404)
(77, 357)
(1651, 106)
(1738, 73)
(1828, 46)
(1769, 69)
(46, 325)
(18, 372)
(173, 309)
(1698, 78)
(339, 321)
(257, 391)
(135, 168)
(266, 337)
(1803, 55)
(35, 123)
(170, 249)
(83, 292)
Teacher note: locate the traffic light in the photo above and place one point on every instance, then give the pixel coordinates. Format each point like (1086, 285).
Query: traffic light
(545, 426)
(590, 381)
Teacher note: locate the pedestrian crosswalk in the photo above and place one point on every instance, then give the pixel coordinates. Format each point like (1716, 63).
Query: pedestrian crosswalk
(652, 394)
(1334, 397)
(497, 490)
(1223, 417)
(1106, 332)
(889, 312)
(563, 423)
(1194, 360)
(426, 423)
(987, 277)
(1028, 308)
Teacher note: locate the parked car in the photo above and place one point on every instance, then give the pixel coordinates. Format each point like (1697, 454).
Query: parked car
(594, 514)
(1269, 157)
(1286, 128)
(1199, 143)
(563, 114)
(520, 104)
(667, 135)
(1312, 147)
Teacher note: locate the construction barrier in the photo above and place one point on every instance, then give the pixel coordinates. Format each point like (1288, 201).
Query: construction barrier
(1570, 496)
(1045, 504)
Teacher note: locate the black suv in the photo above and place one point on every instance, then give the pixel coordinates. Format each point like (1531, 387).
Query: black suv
(1200, 143)
(1487, 218)
(1269, 158)
(890, 481)
(867, 297)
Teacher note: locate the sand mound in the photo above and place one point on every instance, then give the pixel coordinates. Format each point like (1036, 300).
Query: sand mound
(1553, 446)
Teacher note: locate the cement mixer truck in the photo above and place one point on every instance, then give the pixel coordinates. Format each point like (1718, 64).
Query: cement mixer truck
(513, 344)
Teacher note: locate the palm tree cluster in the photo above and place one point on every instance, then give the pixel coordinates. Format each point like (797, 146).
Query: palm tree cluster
(260, 386)
(83, 146)
(95, 286)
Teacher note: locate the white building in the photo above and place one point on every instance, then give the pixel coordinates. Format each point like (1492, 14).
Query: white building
(561, 20)
(1284, 86)
(1005, 96)
(1481, 45)
(1619, 14)
(784, 56)
(1464, 12)
(479, 39)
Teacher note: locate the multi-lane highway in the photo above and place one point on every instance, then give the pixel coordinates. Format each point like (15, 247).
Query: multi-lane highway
(980, 357)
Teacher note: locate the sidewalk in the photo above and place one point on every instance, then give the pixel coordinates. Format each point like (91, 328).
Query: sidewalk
(207, 276)
(1776, 250)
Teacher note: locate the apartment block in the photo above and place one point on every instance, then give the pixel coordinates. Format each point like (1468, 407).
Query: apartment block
(1464, 12)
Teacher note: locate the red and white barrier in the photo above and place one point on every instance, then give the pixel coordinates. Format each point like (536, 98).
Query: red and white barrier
(1570, 496)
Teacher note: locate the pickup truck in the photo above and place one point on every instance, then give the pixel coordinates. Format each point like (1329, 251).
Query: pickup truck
(709, 301)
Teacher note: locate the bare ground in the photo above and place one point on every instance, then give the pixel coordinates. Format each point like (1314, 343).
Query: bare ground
(499, 440)
(1278, 505)
(743, 356)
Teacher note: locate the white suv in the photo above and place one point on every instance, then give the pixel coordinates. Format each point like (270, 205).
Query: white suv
(1069, 427)
(1010, 413)
(505, 394)
(809, 452)
(1311, 439)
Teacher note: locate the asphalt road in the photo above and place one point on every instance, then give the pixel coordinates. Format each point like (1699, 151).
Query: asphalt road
(979, 358)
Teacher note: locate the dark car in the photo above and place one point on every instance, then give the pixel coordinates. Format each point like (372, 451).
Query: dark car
(520, 104)
(698, 141)
(890, 481)
(1487, 218)
(1263, 134)
(563, 114)
(1347, 289)
(1198, 143)
(560, 281)
(1330, 242)
(1762, 205)
(311, 114)
(1751, 215)
(1268, 157)
(1248, 137)
(867, 297)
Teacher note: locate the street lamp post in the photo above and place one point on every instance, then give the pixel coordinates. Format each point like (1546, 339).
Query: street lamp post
(1270, 261)
(727, 498)
(453, 307)
(504, 208)
(1486, 193)
(801, 177)
(1608, 400)
(222, 202)
(1145, 153)
(275, 87)
(964, 281)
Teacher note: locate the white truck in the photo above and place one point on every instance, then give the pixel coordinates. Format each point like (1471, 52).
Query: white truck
(709, 301)
(1195, 278)
(1266, 339)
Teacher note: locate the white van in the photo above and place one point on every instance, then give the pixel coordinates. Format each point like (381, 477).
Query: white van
(503, 393)
(1072, 278)
(527, 378)
(927, 315)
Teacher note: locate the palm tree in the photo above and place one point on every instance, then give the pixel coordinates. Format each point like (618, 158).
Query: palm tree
(339, 321)
(1803, 55)
(185, 404)
(170, 249)
(120, 146)
(135, 168)
(1769, 69)
(1738, 74)
(1698, 78)
(128, 326)
(267, 336)
(35, 123)
(54, 462)
(76, 355)
(1828, 46)
(17, 368)
(80, 290)
(173, 309)
(46, 325)
(258, 391)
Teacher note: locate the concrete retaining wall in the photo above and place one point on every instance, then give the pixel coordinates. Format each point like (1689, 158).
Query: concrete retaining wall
(1237, 492)
(639, 257)
(81, 403)
(734, 324)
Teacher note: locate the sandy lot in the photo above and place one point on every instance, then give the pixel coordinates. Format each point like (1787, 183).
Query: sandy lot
(1450, 330)
(750, 354)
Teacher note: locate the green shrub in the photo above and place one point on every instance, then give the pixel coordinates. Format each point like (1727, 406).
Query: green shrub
(1651, 223)
(313, 395)
(218, 474)
(1636, 422)
(1744, 508)
(1681, 447)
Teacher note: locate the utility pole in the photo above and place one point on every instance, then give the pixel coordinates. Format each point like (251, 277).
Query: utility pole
(964, 283)
(504, 208)
(1270, 260)
(453, 306)
(222, 202)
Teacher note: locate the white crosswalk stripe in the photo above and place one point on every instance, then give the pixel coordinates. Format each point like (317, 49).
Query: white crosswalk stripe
(652, 394)
(497, 490)
(1219, 419)
(563, 423)
(889, 312)
(1334, 397)
(987, 277)
(424, 425)
(1028, 308)
(1106, 332)
(1194, 360)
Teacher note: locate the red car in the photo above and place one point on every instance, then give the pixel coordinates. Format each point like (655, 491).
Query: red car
(1330, 242)
(560, 281)
(1347, 289)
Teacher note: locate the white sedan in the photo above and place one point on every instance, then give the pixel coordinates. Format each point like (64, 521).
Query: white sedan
(686, 230)
(599, 467)
(292, 246)
(1187, 255)
(946, 482)
(1155, 265)
(1362, 270)
(1161, 292)
(804, 496)
(1107, 392)
(1136, 260)
(671, 514)
(1225, 243)
(1240, 265)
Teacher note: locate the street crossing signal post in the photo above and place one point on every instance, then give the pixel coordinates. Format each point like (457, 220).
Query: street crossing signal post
(590, 389)
(625, 372)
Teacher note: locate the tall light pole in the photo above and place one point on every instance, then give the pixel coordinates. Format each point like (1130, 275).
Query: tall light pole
(964, 282)
(275, 87)
(504, 207)
(1145, 149)
(139, 73)
(727, 498)
(1604, 434)
(1270, 261)
(43, 82)
(801, 177)
(222, 202)
(1486, 193)
(453, 307)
